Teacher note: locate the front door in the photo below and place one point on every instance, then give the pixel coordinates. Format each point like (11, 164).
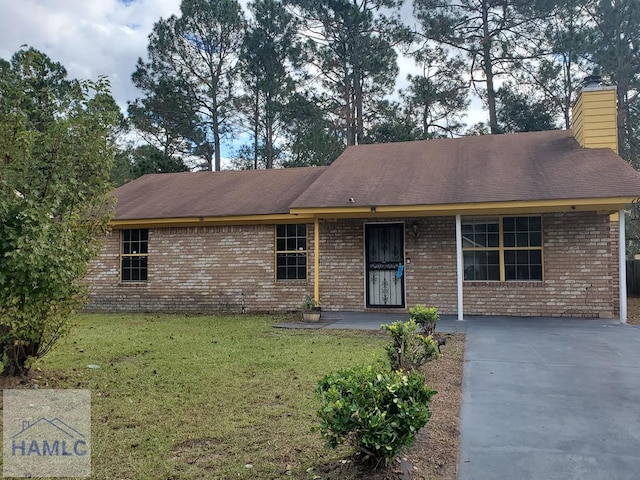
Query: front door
(385, 264)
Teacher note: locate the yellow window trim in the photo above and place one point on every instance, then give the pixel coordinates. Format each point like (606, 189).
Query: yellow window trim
(276, 252)
(501, 248)
(124, 255)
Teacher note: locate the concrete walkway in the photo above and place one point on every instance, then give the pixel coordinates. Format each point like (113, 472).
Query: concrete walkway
(348, 321)
(368, 321)
(543, 398)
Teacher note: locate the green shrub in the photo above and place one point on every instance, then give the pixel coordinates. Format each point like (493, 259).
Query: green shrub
(426, 317)
(309, 304)
(374, 408)
(408, 349)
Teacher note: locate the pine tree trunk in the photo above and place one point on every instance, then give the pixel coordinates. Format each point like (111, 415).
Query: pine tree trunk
(568, 88)
(215, 127)
(357, 80)
(348, 119)
(256, 128)
(622, 119)
(488, 68)
(269, 130)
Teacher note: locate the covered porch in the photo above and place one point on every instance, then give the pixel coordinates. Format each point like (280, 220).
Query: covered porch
(424, 262)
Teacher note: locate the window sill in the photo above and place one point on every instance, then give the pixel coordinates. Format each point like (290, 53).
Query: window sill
(510, 283)
(134, 284)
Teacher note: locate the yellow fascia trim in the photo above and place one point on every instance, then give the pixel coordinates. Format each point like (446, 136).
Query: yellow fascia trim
(569, 204)
(530, 206)
(301, 215)
(202, 221)
(332, 211)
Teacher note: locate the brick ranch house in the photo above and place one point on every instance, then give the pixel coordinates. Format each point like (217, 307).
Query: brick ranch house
(526, 224)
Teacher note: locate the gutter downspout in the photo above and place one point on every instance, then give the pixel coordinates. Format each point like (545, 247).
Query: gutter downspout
(622, 267)
(459, 265)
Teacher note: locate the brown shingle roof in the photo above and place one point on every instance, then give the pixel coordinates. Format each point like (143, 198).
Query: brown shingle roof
(491, 168)
(200, 194)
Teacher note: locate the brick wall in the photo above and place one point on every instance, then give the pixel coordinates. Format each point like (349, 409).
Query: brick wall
(431, 275)
(615, 267)
(578, 266)
(577, 274)
(213, 268)
(342, 265)
(199, 269)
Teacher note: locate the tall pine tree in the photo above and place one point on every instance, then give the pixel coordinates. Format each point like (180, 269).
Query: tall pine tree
(195, 56)
(487, 31)
(270, 51)
(352, 51)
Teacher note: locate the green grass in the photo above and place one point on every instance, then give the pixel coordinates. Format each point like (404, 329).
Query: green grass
(202, 397)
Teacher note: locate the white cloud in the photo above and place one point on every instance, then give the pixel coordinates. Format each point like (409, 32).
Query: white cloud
(90, 38)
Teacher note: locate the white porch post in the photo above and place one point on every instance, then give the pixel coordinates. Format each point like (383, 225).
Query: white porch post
(622, 267)
(459, 265)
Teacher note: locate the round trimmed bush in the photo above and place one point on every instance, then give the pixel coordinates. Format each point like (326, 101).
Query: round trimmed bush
(376, 409)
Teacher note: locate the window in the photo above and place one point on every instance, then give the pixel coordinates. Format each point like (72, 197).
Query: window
(291, 252)
(134, 255)
(502, 248)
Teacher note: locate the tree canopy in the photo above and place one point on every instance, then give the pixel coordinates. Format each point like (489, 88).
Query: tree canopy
(56, 152)
(191, 77)
(294, 82)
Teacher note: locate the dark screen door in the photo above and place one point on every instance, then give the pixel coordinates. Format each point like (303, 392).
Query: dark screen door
(385, 254)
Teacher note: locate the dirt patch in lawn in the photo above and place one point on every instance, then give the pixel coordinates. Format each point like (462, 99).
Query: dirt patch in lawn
(434, 456)
(197, 450)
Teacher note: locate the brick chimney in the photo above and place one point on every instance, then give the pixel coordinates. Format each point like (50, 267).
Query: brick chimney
(594, 122)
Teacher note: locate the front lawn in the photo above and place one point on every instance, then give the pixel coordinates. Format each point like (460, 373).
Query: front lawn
(202, 397)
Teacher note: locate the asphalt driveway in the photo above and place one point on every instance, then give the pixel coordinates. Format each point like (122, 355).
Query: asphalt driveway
(550, 399)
